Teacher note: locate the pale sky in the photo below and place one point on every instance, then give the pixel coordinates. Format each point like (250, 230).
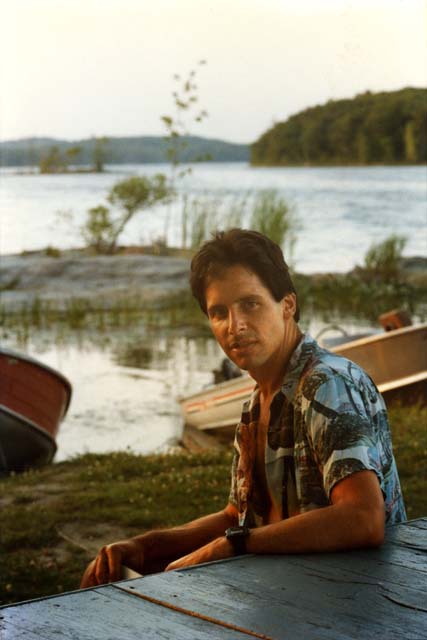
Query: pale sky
(77, 68)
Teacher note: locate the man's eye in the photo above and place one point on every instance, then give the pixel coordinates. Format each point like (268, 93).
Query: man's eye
(217, 313)
(250, 304)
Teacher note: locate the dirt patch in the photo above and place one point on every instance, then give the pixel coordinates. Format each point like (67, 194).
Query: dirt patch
(90, 538)
(33, 491)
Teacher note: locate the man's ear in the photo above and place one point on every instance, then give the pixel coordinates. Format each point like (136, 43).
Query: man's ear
(289, 305)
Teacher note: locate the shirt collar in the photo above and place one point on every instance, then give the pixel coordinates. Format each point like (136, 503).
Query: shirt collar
(299, 358)
(301, 355)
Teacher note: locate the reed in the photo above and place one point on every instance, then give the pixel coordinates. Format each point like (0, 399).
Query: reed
(272, 216)
(199, 219)
(95, 318)
(350, 296)
(265, 211)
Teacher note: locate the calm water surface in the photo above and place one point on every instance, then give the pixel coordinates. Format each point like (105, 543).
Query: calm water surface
(125, 390)
(341, 211)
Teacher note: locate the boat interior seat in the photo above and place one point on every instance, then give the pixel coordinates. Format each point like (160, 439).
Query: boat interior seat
(395, 319)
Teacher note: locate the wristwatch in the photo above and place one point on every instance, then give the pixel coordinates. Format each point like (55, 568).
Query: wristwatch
(237, 537)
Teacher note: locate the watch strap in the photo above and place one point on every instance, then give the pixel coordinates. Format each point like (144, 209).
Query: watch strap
(237, 536)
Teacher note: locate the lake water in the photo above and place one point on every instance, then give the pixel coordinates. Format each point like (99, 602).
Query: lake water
(341, 211)
(125, 386)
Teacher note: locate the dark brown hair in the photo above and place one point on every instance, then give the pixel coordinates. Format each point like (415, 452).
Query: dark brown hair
(251, 249)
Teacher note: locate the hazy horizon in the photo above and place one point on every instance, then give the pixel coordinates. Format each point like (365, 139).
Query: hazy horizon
(75, 70)
(160, 135)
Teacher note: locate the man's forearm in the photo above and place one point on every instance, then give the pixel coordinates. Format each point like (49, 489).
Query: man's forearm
(173, 543)
(355, 519)
(322, 530)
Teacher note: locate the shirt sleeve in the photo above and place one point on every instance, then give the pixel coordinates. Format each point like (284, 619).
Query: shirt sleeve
(342, 423)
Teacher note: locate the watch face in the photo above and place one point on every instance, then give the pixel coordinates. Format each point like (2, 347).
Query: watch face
(237, 532)
(237, 537)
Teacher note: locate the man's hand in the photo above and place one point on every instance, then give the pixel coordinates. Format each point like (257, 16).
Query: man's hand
(107, 566)
(218, 549)
(154, 550)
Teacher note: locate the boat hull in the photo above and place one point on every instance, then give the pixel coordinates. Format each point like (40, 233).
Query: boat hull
(33, 400)
(33, 390)
(22, 443)
(219, 405)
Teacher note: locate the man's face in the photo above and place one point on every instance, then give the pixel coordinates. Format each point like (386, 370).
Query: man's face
(248, 323)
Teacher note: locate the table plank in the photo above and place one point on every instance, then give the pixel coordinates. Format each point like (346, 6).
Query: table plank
(419, 523)
(390, 565)
(411, 537)
(105, 613)
(276, 596)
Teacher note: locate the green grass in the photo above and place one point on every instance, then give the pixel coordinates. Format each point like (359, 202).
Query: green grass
(409, 430)
(123, 492)
(96, 499)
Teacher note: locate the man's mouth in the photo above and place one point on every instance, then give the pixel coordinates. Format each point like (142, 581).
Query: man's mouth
(241, 344)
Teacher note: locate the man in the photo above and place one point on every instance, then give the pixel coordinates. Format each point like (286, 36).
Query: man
(313, 468)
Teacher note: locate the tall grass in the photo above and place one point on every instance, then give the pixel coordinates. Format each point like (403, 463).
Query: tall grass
(383, 261)
(272, 216)
(266, 212)
(202, 216)
(100, 315)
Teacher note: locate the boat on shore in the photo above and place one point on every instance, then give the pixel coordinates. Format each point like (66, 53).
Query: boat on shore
(396, 360)
(34, 399)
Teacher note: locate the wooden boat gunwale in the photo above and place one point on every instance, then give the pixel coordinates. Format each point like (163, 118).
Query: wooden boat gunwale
(377, 337)
(402, 382)
(220, 398)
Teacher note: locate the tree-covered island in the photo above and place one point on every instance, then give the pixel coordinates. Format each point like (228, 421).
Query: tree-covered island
(372, 128)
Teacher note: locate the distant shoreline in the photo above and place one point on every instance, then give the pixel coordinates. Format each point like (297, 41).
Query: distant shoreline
(32, 170)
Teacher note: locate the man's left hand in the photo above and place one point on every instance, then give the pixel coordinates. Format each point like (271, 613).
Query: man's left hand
(218, 549)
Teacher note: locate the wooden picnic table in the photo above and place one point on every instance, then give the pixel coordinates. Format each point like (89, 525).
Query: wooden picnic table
(359, 594)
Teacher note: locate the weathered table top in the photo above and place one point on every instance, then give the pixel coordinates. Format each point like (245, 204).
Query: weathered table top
(359, 594)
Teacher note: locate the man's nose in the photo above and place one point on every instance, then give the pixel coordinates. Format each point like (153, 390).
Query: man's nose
(236, 321)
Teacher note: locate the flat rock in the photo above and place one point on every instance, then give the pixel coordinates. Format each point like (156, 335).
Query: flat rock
(26, 277)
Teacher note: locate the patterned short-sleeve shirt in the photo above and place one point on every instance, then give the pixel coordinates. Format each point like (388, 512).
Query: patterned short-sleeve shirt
(327, 422)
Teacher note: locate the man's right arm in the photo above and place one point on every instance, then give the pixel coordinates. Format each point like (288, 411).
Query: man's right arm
(154, 550)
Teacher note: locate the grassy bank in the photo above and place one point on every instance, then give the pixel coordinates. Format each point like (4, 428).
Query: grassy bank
(331, 297)
(349, 295)
(76, 291)
(55, 519)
